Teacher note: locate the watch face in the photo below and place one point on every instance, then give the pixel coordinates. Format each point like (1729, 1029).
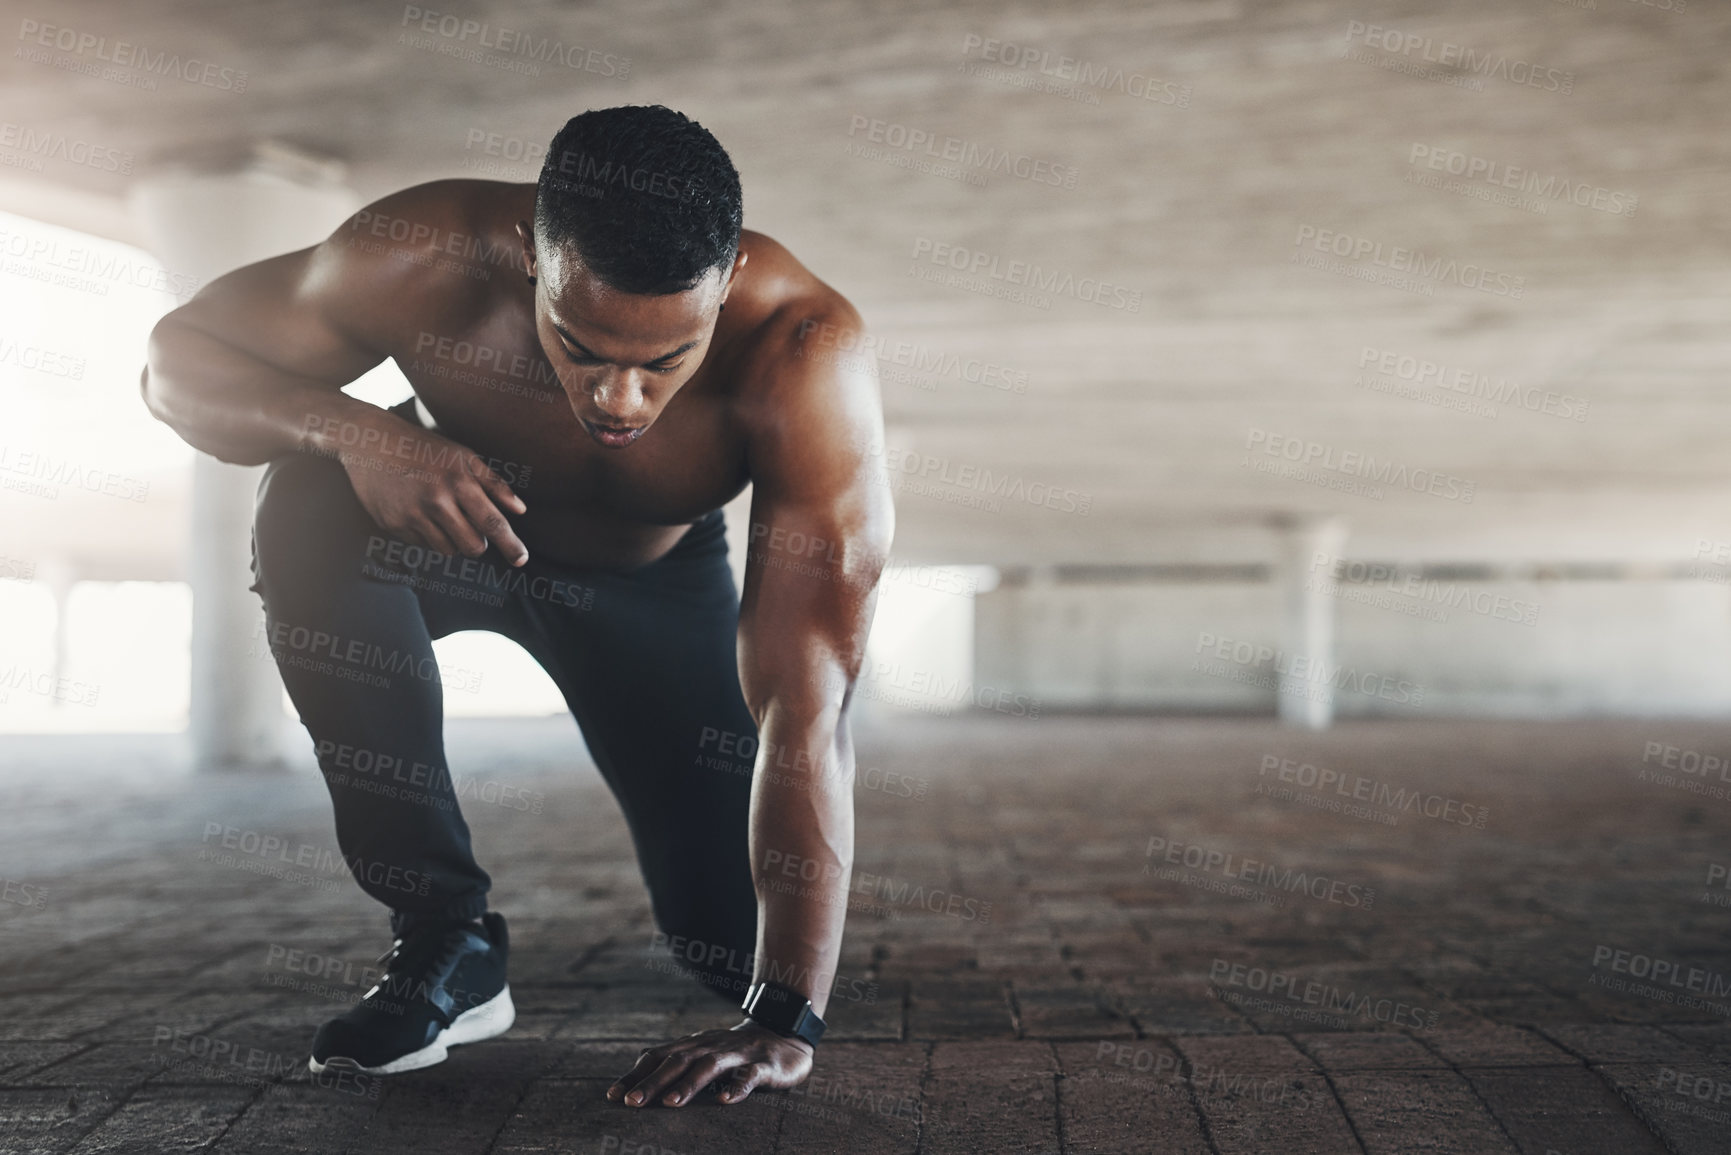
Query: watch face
(784, 1011)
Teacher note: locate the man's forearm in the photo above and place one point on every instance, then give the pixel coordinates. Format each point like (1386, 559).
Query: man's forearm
(223, 402)
(802, 848)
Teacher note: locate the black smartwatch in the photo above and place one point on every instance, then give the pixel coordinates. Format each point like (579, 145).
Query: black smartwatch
(784, 1011)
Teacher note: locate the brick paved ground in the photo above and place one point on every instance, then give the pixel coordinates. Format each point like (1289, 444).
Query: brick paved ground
(1109, 1000)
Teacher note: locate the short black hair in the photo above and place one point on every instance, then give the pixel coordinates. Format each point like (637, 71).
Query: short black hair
(647, 197)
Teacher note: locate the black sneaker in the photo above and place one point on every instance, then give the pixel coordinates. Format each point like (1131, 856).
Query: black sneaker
(444, 985)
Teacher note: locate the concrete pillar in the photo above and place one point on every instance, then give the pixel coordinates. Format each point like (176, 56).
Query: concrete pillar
(59, 575)
(203, 223)
(1307, 615)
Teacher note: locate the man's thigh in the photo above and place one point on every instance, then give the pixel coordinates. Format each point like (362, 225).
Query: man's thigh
(316, 547)
(650, 670)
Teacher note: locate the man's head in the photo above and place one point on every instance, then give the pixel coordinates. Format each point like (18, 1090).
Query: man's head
(633, 248)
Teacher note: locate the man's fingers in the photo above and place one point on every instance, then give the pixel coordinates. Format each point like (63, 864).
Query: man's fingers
(698, 1076)
(658, 1080)
(430, 534)
(450, 516)
(741, 1083)
(646, 1062)
(485, 516)
(496, 487)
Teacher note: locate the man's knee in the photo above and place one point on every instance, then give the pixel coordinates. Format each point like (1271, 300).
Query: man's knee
(722, 966)
(306, 510)
(296, 492)
(716, 947)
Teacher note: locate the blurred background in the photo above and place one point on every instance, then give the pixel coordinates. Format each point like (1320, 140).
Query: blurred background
(1286, 358)
(1278, 393)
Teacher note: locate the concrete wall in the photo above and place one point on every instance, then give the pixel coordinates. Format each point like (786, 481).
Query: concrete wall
(1546, 649)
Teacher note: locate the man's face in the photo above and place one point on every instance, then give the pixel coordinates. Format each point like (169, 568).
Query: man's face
(620, 356)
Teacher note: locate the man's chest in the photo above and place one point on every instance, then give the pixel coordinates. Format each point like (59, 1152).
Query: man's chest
(507, 405)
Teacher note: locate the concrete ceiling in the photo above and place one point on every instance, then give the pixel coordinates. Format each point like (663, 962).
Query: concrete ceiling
(1148, 413)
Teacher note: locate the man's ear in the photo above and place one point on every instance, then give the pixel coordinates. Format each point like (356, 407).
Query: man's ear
(738, 264)
(526, 234)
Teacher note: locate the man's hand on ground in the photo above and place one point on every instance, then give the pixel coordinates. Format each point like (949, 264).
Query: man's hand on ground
(738, 1061)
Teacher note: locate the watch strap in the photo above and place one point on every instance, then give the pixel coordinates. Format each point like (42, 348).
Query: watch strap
(784, 1011)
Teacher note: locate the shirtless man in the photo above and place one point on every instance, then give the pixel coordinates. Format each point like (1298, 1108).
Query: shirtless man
(583, 409)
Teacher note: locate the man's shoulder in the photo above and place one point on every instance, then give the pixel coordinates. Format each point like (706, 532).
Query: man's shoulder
(459, 205)
(806, 335)
(807, 388)
(431, 253)
(463, 222)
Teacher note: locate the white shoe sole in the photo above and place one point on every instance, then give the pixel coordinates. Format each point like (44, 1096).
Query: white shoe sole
(489, 1020)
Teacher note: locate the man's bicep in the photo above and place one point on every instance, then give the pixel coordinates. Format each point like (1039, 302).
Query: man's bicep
(821, 517)
(328, 313)
(812, 566)
(293, 314)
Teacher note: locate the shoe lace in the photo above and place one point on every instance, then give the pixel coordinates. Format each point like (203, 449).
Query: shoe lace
(422, 954)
